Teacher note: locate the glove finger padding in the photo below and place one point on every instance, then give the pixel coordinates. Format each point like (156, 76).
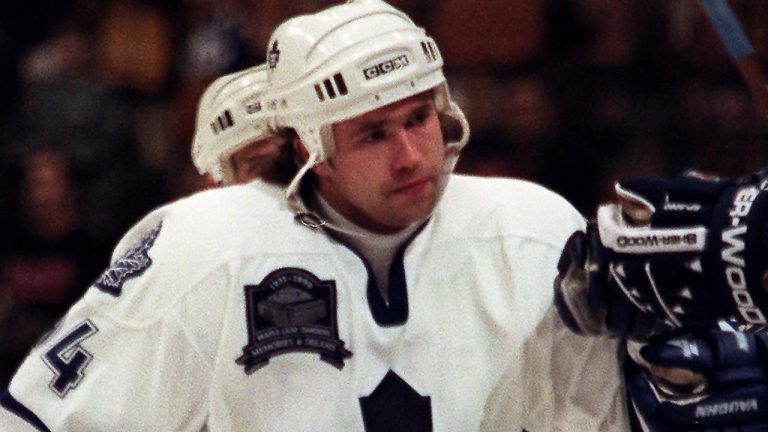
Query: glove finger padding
(586, 296)
(663, 287)
(686, 200)
(711, 380)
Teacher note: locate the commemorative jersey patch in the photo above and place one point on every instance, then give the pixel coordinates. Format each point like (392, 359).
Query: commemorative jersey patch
(132, 264)
(291, 310)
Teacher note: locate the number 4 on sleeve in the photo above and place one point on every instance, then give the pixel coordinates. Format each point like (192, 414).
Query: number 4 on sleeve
(68, 359)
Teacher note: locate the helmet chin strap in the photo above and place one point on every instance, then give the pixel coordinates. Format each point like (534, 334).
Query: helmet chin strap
(292, 191)
(309, 218)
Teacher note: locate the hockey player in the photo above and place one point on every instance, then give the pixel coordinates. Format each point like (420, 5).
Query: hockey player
(377, 292)
(233, 142)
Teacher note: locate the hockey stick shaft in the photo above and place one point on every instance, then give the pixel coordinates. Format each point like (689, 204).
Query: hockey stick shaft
(740, 49)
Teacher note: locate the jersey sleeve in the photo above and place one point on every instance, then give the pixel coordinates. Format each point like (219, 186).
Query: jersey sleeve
(94, 373)
(565, 382)
(572, 382)
(568, 382)
(124, 357)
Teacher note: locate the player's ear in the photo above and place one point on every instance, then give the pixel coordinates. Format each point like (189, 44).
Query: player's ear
(299, 149)
(322, 169)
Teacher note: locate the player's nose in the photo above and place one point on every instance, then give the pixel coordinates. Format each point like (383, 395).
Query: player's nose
(406, 152)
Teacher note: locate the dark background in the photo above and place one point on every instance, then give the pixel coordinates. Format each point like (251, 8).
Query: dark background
(98, 101)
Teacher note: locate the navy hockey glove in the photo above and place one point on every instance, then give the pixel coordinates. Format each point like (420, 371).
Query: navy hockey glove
(669, 254)
(708, 381)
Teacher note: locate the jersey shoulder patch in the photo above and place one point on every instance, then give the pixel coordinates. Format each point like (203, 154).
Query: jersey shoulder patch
(132, 264)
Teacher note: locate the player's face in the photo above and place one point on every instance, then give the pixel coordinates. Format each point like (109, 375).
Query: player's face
(387, 165)
(255, 159)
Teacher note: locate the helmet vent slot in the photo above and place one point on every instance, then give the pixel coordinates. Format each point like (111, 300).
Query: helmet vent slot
(340, 84)
(331, 89)
(319, 92)
(223, 121)
(430, 52)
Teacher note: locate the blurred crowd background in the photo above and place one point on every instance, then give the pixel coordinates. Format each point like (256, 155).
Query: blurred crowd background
(98, 102)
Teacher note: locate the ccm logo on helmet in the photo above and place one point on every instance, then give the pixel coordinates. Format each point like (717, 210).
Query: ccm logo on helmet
(733, 246)
(386, 67)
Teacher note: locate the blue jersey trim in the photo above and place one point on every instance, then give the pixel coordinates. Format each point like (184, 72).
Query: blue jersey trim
(394, 312)
(11, 404)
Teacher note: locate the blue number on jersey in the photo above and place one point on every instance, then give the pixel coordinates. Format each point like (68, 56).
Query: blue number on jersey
(68, 359)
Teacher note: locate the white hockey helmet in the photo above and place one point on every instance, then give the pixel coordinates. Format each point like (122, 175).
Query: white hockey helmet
(230, 115)
(348, 60)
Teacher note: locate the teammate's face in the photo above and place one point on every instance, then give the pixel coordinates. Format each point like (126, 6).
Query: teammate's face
(254, 160)
(387, 165)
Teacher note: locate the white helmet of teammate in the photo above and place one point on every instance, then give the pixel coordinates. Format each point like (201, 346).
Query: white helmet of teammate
(348, 60)
(229, 117)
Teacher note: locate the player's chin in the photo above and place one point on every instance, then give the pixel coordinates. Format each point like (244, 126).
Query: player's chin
(415, 208)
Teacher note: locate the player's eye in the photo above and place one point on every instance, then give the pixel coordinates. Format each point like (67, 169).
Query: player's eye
(418, 118)
(374, 135)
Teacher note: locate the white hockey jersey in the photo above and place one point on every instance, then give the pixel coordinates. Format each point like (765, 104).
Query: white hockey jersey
(228, 315)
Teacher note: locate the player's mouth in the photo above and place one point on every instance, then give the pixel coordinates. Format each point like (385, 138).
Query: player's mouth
(412, 188)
